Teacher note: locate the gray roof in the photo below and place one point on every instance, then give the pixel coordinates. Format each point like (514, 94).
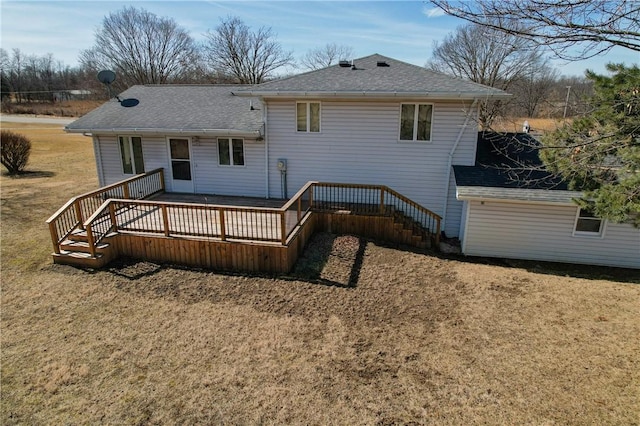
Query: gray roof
(369, 79)
(176, 109)
(508, 167)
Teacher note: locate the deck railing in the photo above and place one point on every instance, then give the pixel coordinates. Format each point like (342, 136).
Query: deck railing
(74, 213)
(119, 208)
(199, 220)
(374, 200)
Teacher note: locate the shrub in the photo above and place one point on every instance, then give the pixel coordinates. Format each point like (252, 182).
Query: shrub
(15, 149)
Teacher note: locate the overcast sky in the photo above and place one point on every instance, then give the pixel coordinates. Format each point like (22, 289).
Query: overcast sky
(404, 30)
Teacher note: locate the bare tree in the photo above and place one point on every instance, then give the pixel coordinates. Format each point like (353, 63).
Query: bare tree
(325, 56)
(573, 29)
(251, 57)
(141, 48)
(534, 88)
(486, 56)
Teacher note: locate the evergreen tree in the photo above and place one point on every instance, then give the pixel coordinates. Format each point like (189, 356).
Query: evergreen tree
(600, 152)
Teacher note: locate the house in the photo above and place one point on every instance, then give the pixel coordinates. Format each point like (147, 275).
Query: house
(513, 208)
(371, 121)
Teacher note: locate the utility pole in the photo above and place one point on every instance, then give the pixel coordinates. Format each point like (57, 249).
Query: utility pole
(566, 102)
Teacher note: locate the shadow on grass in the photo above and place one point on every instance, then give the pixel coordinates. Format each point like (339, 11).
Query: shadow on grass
(331, 260)
(572, 270)
(30, 174)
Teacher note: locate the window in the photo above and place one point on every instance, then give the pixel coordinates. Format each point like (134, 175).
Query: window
(587, 224)
(308, 116)
(415, 122)
(231, 152)
(131, 154)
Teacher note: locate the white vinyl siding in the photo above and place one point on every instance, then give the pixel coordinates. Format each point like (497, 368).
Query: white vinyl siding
(545, 232)
(209, 177)
(359, 144)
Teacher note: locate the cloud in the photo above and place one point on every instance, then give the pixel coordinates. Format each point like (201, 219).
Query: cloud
(433, 12)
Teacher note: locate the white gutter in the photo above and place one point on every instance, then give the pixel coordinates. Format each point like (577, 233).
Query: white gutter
(372, 94)
(266, 148)
(216, 132)
(450, 163)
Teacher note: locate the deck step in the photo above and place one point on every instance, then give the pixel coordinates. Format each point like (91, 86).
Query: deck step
(77, 258)
(81, 246)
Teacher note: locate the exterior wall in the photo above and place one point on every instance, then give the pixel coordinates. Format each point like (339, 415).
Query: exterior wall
(212, 178)
(544, 232)
(209, 176)
(358, 143)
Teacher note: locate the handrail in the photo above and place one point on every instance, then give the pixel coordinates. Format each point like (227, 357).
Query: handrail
(235, 222)
(433, 228)
(64, 221)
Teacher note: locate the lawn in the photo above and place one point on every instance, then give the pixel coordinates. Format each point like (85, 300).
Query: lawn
(359, 333)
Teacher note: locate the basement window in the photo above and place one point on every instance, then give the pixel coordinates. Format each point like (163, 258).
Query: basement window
(587, 225)
(415, 122)
(131, 154)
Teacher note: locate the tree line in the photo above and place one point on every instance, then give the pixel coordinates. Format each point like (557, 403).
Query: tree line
(143, 48)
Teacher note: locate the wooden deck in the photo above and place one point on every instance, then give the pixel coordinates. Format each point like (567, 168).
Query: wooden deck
(227, 232)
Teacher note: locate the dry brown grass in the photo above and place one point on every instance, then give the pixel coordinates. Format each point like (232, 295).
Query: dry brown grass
(538, 125)
(75, 108)
(402, 337)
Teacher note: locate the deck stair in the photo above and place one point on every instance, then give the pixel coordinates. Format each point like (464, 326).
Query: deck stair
(74, 250)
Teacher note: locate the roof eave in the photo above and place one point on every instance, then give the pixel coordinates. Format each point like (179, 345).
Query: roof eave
(372, 94)
(517, 195)
(152, 131)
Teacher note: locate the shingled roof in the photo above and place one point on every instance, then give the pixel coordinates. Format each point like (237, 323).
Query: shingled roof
(176, 109)
(508, 167)
(374, 76)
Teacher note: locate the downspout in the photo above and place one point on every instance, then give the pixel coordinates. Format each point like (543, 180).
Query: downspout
(98, 154)
(266, 147)
(450, 163)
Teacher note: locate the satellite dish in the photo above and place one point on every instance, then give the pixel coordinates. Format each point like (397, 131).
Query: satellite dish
(129, 102)
(106, 77)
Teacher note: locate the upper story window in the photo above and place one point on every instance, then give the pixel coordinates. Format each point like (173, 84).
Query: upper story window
(230, 152)
(587, 224)
(308, 116)
(415, 122)
(131, 154)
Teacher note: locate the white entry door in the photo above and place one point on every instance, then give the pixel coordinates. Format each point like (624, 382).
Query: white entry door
(181, 170)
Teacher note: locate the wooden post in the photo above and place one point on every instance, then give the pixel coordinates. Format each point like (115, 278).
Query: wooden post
(165, 220)
(382, 200)
(91, 242)
(223, 230)
(112, 213)
(162, 187)
(299, 208)
(125, 190)
(311, 196)
(54, 237)
(438, 235)
(78, 209)
(283, 228)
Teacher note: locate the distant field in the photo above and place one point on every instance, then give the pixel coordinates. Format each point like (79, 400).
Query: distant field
(414, 339)
(58, 109)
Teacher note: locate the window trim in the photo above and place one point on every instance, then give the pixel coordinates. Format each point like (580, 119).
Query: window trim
(129, 139)
(308, 111)
(231, 162)
(588, 234)
(415, 123)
